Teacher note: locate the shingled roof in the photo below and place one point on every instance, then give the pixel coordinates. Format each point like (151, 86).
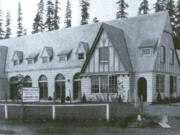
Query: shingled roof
(136, 30)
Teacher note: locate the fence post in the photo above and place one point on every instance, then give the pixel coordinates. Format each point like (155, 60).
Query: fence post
(107, 112)
(53, 112)
(6, 111)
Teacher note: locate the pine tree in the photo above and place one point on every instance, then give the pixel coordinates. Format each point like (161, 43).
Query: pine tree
(56, 16)
(122, 5)
(95, 20)
(177, 29)
(38, 25)
(68, 15)
(172, 12)
(49, 24)
(1, 26)
(19, 21)
(144, 7)
(158, 6)
(8, 23)
(84, 12)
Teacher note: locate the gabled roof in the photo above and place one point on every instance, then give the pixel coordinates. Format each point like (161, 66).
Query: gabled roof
(32, 55)
(136, 30)
(19, 54)
(64, 52)
(49, 51)
(117, 39)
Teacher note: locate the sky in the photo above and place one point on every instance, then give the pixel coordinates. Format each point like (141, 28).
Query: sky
(104, 10)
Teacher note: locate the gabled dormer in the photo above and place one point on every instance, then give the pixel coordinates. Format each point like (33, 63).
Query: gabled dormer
(47, 54)
(147, 47)
(32, 58)
(64, 55)
(17, 58)
(82, 50)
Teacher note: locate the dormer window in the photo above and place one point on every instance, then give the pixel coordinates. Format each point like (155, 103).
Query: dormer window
(62, 58)
(30, 61)
(146, 51)
(81, 56)
(45, 60)
(47, 54)
(32, 58)
(82, 50)
(17, 58)
(15, 62)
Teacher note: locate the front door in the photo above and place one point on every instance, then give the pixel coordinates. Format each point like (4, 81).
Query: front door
(60, 90)
(142, 88)
(77, 90)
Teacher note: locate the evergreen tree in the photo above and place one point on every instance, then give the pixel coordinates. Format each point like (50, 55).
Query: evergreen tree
(1, 26)
(95, 20)
(19, 21)
(38, 25)
(56, 16)
(144, 7)
(8, 23)
(177, 29)
(159, 6)
(122, 5)
(49, 24)
(84, 12)
(68, 15)
(172, 12)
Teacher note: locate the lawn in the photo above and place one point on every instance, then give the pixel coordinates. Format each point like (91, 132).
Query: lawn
(36, 128)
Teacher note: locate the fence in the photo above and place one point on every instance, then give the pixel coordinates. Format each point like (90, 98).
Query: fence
(53, 112)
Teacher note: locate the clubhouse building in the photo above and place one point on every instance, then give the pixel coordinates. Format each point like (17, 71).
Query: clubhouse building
(127, 58)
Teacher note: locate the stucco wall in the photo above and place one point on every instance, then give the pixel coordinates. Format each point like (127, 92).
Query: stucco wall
(50, 74)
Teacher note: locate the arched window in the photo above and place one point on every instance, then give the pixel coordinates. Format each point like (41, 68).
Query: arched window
(27, 81)
(14, 88)
(76, 86)
(43, 86)
(60, 87)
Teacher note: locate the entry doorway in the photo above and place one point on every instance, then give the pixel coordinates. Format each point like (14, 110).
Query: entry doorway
(142, 88)
(76, 87)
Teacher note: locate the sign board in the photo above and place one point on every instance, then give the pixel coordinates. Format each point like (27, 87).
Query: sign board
(30, 94)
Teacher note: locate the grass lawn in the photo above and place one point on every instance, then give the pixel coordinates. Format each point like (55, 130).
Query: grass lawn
(37, 128)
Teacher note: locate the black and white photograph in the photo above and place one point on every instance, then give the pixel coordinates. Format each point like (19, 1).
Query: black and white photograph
(89, 67)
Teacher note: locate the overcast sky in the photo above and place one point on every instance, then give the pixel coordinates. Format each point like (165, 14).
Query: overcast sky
(103, 9)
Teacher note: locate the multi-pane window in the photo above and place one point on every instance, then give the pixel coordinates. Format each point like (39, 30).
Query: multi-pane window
(160, 83)
(162, 54)
(113, 84)
(172, 56)
(174, 83)
(15, 62)
(30, 61)
(45, 59)
(146, 51)
(104, 84)
(103, 54)
(61, 58)
(81, 56)
(95, 84)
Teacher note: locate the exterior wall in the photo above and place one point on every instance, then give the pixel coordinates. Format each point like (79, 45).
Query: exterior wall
(150, 86)
(114, 64)
(167, 42)
(51, 74)
(123, 83)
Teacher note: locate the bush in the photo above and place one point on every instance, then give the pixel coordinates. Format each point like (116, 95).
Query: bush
(83, 99)
(68, 98)
(49, 98)
(159, 99)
